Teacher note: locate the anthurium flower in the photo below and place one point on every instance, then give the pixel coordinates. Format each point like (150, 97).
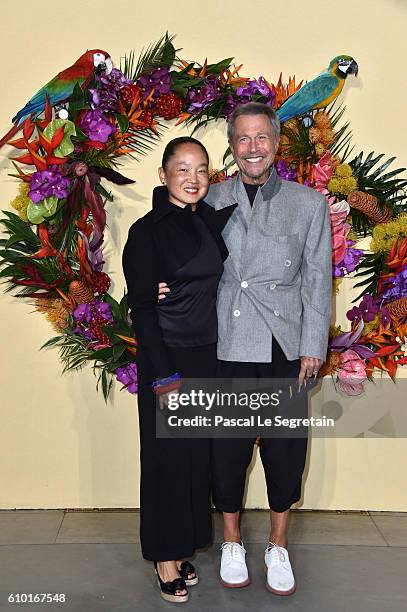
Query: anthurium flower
(65, 147)
(351, 373)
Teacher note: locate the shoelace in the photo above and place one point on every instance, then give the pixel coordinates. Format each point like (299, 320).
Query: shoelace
(232, 548)
(274, 547)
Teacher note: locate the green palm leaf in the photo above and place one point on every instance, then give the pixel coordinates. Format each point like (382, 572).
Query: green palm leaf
(159, 53)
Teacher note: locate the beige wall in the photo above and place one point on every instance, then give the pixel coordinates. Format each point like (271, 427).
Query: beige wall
(61, 446)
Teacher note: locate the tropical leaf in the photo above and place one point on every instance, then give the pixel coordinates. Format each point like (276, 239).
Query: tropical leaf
(160, 53)
(72, 349)
(389, 188)
(370, 266)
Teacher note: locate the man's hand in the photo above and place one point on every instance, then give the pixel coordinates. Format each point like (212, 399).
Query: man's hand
(162, 290)
(164, 399)
(309, 367)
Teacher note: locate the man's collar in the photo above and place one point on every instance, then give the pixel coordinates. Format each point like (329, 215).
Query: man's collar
(269, 187)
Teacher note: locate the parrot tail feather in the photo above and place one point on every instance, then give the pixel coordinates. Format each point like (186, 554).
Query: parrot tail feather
(10, 134)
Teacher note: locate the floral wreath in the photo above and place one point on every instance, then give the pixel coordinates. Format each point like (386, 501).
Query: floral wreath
(93, 115)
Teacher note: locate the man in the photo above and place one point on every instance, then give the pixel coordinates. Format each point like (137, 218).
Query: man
(274, 309)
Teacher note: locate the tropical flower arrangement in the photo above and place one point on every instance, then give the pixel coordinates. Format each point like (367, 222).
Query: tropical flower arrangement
(53, 252)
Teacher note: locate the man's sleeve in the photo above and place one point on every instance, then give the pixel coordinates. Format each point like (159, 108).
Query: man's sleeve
(140, 268)
(316, 285)
(210, 197)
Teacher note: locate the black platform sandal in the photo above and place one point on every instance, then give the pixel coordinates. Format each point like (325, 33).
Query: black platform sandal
(168, 589)
(185, 570)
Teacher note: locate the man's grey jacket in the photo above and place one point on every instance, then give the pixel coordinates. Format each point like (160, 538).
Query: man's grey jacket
(277, 279)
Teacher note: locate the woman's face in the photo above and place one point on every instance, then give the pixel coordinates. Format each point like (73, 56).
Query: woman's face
(186, 175)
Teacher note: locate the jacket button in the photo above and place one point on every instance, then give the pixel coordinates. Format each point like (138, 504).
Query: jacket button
(273, 286)
(276, 313)
(287, 262)
(236, 313)
(244, 284)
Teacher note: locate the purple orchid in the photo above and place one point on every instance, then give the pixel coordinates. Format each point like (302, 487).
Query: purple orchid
(352, 258)
(397, 288)
(159, 80)
(127, 375)
(230, 105)
(96, 127)
(105, 96)
(87, 314)
(285, 171)
(48, 183)
(103, 309)
(255, 87)
(366, 311)
(199, 98)
(82, 313)
(349, 263)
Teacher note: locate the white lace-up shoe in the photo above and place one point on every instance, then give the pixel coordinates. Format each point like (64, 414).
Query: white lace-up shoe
(233, 569)
(280, 577)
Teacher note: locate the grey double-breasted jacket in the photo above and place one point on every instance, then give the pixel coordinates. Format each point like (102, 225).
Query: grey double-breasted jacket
(277, 279)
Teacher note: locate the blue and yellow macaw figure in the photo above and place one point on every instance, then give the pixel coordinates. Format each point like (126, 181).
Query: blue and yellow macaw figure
(321, 91)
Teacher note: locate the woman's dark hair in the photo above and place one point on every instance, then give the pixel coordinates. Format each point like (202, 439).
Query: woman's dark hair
(173, 145)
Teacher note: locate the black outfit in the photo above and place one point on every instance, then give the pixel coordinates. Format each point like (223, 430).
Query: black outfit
(178, 334)
(283, 459)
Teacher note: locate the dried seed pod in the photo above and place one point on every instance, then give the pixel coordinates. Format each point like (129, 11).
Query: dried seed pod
(398, 308)
(81, 292)
(369, 205)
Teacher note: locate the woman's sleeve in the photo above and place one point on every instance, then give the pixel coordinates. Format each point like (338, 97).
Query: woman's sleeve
(140, 266)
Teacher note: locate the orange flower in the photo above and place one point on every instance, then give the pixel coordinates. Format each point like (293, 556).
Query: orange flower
(282, 92)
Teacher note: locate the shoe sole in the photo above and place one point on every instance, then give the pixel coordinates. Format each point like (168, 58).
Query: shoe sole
(192, 581)
(237, 585)
(172, 598)
(275, 591)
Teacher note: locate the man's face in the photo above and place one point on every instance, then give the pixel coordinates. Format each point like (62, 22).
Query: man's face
(253, 146)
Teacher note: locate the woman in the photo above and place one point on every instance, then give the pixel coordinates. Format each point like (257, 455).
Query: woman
(178, 242)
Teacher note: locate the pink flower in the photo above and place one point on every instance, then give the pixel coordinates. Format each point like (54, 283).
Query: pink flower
(323, 171)
(340, 229)
(338, 212)
(352, 373)
(339, 243)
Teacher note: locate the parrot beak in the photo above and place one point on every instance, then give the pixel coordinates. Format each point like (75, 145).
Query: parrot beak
(105, 66)
(100, 68)
(353, 68)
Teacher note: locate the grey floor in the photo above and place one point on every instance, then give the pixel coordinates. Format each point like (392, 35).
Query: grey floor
(342, 561)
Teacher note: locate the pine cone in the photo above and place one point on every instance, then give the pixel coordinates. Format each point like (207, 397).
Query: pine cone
(81, 292)
(398, 308)
(369, 205)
